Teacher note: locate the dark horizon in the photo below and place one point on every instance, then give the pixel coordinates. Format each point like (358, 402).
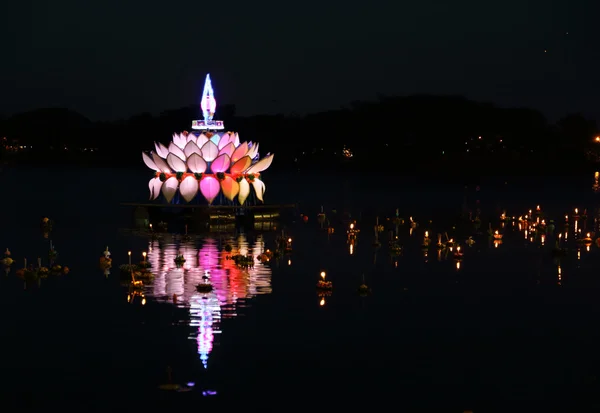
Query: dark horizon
(225, 109)
(110, 61)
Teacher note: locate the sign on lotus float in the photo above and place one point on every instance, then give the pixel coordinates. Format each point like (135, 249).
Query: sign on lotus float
(207, 164)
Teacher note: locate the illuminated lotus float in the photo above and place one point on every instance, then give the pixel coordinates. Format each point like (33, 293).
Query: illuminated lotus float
(207, 164)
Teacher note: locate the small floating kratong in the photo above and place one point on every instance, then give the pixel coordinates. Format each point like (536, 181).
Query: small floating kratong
(205, 286)
(322, 284)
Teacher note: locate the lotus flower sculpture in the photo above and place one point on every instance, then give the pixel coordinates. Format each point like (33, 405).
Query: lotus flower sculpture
(206, 164)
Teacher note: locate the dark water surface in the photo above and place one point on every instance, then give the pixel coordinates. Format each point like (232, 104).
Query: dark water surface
(509, 327)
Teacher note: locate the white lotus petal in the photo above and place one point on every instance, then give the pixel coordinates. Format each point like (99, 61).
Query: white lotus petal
(196, 163)
(174, 149)
(236, 140)
(210, 151)
(149, 162)
(261, 165)
(190, 138)
(176, 163)
(220, 164)
(191, 148)
(253, 151)
(228, 149)
(230, 187)
(241, 165)
(169, 188)
(160, 163)
(155, 184)
(188, 188)
(239, 152)
(161, 150)
(244, 191)
(202, 139)
(259, 188)
(224, 141)
(179, 140)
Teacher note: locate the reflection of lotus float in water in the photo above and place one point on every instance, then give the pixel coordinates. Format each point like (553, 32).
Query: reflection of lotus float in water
(207, 164)
(497, 236)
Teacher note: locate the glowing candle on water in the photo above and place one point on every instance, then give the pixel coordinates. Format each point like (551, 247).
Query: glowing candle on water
(426, 234)
(144, 255)
(323, 275)
(129, 253)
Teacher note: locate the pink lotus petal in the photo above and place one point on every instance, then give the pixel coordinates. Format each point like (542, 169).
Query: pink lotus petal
(210, 188)
(224, 141)
(228, 149)
(220, 164)
(240, 152)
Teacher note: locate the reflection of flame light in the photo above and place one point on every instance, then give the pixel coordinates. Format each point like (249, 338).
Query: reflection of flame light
(205, 312)
(351, 248)
(559, 275)
(232, 286)
(322, 302)
(457, 265)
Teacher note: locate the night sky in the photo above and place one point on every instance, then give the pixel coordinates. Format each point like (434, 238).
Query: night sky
(110, 59)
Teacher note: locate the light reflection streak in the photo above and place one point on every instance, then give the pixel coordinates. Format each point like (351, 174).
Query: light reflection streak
(232, 286)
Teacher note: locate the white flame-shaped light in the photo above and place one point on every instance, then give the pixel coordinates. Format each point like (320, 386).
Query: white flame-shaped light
(207, 164)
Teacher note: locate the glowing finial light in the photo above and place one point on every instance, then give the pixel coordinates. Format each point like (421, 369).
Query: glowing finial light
(208, 104)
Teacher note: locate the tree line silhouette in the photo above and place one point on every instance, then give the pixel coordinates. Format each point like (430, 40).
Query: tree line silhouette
(387, 135)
